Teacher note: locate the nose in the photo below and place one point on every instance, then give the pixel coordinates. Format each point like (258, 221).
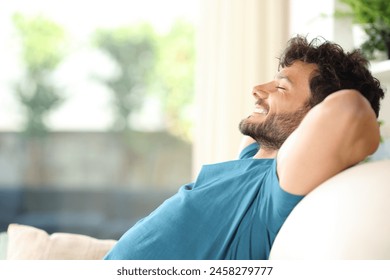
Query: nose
(262, 91)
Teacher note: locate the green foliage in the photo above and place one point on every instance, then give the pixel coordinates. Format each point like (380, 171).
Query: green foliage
(42, 41)
(370, 11)
(134, 51)
(378, 38)
(175, 69)
(374, 16)
(39, 98)
(42, 49)
(149, 63)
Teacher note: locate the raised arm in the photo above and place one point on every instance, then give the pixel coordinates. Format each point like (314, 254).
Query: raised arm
(336, 134)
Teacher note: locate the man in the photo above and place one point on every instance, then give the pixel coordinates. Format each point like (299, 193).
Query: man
(315, 119)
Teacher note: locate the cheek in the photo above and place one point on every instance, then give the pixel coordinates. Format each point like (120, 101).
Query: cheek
(286, 105)
(298, 102)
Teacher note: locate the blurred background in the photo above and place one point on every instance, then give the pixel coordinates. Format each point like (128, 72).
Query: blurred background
(108, 107)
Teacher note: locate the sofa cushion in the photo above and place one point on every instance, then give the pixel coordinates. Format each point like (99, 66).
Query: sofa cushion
(3, 245)
(345, 218)
(30, 243)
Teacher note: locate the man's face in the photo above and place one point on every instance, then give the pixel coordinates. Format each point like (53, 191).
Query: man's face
(280, 106)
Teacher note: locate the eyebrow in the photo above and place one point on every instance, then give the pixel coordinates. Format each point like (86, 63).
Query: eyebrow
(280, 76)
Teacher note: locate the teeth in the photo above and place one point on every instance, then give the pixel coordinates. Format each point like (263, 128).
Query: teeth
(260, 110)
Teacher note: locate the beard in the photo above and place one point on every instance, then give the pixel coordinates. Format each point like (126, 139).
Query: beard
(274, 131)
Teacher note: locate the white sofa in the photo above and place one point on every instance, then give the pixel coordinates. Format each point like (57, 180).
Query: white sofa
(347, 217)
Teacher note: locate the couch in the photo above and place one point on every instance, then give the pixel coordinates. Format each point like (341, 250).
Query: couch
(23, 242)
(347, 217)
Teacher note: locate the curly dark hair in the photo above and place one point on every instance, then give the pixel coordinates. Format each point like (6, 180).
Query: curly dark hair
(336, 69)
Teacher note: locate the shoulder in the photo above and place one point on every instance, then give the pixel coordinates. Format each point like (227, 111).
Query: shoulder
(336, 134)
(275, 203)
(249, 151)
(247, 144)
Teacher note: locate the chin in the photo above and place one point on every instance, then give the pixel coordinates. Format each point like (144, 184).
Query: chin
(248, 127)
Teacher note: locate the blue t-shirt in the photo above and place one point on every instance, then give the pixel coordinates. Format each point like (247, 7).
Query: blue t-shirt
(233, 210)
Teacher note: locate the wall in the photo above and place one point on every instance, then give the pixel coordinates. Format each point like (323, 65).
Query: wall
(95, 160)
(238, 45)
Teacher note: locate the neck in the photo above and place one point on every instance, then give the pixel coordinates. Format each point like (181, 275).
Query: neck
(266, 153)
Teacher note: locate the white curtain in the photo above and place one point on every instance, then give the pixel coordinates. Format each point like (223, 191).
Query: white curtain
(238, 45)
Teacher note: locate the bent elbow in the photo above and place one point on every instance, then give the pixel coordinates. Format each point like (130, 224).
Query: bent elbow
(366, 126)
(374, 140)
(359, 123)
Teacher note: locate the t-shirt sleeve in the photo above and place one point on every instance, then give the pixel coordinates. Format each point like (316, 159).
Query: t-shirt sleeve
(281, 203)
(249, 151)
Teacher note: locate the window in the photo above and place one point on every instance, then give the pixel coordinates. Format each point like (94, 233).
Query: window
(96, 111)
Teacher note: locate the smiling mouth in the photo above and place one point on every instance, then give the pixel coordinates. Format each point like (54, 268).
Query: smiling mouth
(260, 110)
